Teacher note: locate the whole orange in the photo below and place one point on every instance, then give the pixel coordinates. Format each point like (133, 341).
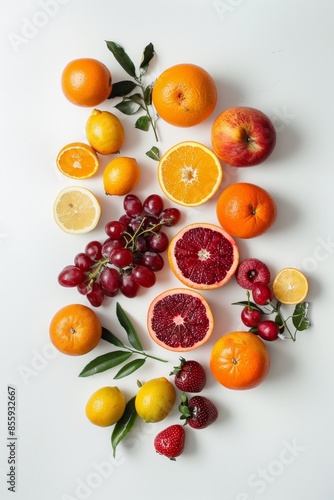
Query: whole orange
(245, 210)
(184, 95)
(86, 82)
(75, 329)
(240, 360)
(120, 176)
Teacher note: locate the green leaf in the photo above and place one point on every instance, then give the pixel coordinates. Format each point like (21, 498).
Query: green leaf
(248, 303)
(143, 123)
(300, 318)
(128, 107)
(153, 153)
(148, 95)
(124, 424)
(279, 321)
(105, 362)
(122, 58)
(121, 89)
(129, 368)
(146, 58)
(111, 338)
(128, 327)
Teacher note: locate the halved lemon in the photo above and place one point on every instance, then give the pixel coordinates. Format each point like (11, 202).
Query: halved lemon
(290, 286)
(189, 173)
(76, 210)
(77, 160)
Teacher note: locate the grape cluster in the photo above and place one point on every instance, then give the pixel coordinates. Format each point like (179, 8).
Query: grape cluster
(130, 256)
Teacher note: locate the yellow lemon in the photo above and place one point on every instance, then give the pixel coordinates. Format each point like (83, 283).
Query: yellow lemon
(120, 176)
(104, 132)
(290, 286)
(76, 210)
(106, 406)
(155, 399)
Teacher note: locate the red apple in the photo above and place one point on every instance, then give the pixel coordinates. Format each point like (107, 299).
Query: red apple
(243, 137)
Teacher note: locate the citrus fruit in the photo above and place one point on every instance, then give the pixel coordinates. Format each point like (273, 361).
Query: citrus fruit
(239, 360)
(290, 286)
(155, 399)
(86, 82)
(189, 173)
(76, 210)
(75, 329)
(180, 320)
(184, 95)
(203, 256)
(77, 160)
(120, 176)
(104, 132)
(106, 406)
(246, 210)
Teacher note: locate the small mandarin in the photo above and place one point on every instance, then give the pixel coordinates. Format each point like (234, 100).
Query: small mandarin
(75, 329)
(121, 176)
(240, 360)
(86, 82)
(246, 210)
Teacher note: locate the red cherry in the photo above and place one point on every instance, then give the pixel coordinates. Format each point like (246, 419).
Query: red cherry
(268, 330)
(262, 293)
(251, 317)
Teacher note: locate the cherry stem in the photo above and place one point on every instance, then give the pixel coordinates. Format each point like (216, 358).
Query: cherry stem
(284, 322)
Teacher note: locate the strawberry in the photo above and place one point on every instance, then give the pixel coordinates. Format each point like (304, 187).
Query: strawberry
(170, 441)
(189, 376)
(199, 412)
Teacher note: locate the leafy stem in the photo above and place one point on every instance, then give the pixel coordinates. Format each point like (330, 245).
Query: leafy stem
(117, 357)
(132, 103)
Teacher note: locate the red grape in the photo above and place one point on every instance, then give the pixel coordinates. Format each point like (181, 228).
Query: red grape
(71, 276)
(115, 229)
(158, 242)
(128, 287)
(83, 262)
(121, 257)
(152, 260)
(153, 205)
(144, 276)
(170, 216)
(95, 295)
(94, 250)
(132, 205)
(110, 279)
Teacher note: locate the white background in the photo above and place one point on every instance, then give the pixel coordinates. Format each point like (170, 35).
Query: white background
(272, 442)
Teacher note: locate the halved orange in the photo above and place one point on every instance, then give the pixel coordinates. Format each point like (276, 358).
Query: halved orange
(77, 160)
(180, 320)
(76, 210)
(203, 256)
(290, 286)
(189, 173)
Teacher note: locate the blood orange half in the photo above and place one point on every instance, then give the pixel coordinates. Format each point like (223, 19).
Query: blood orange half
(203, 256)
(180, 320)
